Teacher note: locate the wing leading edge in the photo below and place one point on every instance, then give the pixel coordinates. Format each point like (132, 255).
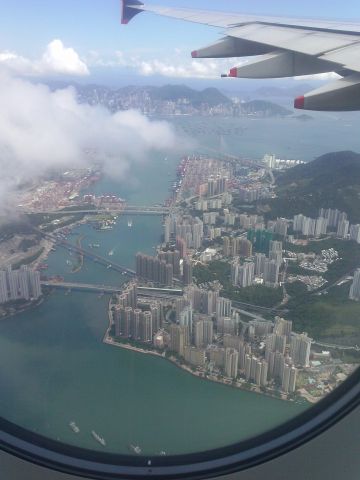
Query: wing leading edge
(283, 48)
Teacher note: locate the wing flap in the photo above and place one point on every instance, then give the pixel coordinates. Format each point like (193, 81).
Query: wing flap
(304, 41)
(349, 57)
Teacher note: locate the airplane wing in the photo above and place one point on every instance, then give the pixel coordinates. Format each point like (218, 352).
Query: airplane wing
(283, 47)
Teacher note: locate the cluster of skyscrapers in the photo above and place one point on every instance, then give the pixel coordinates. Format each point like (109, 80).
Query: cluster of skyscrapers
(237, 246)
(135, 323)
(162, 269)
(185, 227)
(329, 220)
(154, 269)
(23, 284)
(208, 334)
(267, 268)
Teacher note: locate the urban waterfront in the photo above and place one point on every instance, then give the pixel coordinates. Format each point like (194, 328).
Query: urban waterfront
(54, 353)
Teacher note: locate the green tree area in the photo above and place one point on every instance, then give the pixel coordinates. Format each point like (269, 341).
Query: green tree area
(255, 295)
(215, 270)
(296, 289)
(330, 316)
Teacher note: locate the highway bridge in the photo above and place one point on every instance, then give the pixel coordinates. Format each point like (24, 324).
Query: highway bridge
(96, 258)
(257, 308)
(115, 210)
(142, 291)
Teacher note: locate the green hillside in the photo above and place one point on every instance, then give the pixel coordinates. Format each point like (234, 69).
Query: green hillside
(330, 181)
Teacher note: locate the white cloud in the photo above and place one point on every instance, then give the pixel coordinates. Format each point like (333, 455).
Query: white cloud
(56, 59)
(205, 68)
(319, 76)
(42, 130)
(59, 59)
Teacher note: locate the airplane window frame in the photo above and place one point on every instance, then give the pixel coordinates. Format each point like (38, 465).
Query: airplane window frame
(249, 453)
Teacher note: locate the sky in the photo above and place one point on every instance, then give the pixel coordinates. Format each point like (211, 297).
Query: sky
(40, 37)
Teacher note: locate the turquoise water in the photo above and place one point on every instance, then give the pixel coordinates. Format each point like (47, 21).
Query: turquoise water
(54, 367)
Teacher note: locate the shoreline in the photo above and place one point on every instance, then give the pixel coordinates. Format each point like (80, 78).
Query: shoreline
(109, 340)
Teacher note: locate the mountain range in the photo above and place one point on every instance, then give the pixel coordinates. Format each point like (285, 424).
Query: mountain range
(174, 100)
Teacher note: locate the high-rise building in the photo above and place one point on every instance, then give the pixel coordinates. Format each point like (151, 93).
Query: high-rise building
(146, 329)
(194, 356)
(275, 343)
(23, 284)
(355, 287)
(281, 227)
(298, 223)
(186, 320)
(155, 309)
(231, 362)
(4, 294)
(203, 301)
(279, 365)
(246, 274)
(216, 355)
(226, 325)
(187, 271)
(226, 246)
(259, 328)
(125, 322)
(300, 349)
(275, 246)
(276, 257)
(181, 246)
(343, 228)
(223, 307)
(321, 226)
(271, 273)
(283, 327)
(153, 269)
(288, 383)
(167, 229)
(355, 233)
(136, 321)
(177, 339)
(244, 247)
(203, 333)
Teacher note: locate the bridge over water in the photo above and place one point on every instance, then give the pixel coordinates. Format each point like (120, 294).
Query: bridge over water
(142, 291)
(116, 210)
(97, 258)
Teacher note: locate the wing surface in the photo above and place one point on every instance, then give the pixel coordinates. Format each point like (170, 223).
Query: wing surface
(283, 47)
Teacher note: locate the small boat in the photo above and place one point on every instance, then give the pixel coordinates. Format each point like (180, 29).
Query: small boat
(163, 453)
(130, 223)
(99, 439)
(111, 253)
(74, 427)
(135, 448)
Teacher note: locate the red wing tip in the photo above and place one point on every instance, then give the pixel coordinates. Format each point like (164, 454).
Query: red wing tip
(233, 72)
(299, 102)
(194, 54)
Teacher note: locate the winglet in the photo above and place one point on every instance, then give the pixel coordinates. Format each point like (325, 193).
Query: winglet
(128, 10)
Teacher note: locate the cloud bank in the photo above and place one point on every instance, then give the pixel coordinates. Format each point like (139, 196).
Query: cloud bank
(56, 60)
(41, 130)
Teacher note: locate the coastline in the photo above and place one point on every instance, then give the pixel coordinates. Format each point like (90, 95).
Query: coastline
(109, 340)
